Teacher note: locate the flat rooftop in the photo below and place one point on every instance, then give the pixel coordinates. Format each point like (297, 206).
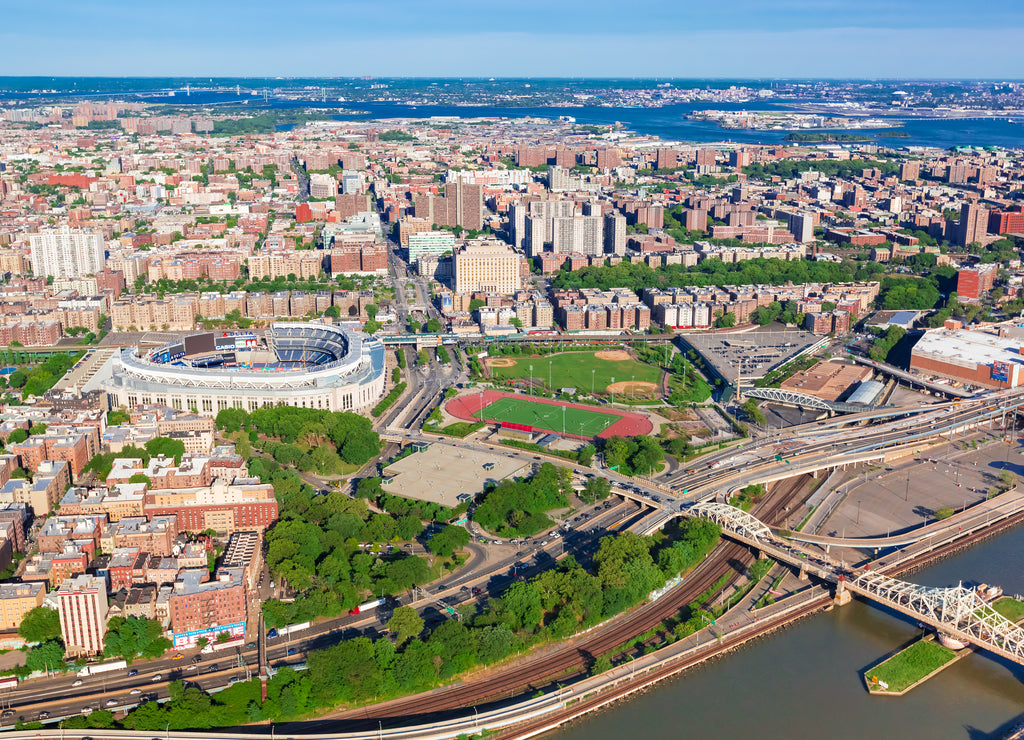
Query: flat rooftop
(753, 354)
(827, 380)
(968, 349)
(441, 474)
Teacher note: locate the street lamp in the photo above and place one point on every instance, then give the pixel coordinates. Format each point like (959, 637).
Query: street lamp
(531, 380)
(592, 371)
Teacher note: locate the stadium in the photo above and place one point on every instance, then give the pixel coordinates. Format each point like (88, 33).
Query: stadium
(303, 364)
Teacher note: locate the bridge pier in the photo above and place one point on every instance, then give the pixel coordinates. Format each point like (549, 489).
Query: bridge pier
(802, 575)
(842, 597)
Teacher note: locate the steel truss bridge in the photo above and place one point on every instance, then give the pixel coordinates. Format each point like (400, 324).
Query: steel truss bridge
(957, 612)
(803, 400)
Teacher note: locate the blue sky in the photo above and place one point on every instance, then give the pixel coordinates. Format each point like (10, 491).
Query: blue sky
(549, 38)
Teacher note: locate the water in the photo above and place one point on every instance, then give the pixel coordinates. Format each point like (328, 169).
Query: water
(805, 682)
(668, 122)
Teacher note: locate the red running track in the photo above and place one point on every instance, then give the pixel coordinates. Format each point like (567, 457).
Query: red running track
(630, 424)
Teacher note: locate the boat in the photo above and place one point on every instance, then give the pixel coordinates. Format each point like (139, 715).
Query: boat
(988, 593)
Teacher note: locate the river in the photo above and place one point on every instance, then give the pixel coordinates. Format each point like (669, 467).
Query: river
(805, 682)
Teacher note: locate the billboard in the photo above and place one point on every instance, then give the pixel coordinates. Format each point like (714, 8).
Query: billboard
(198, 344)
(1000, 371)
(186, 640)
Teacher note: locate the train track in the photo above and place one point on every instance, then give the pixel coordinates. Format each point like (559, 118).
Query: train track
(571, 659)
(593, 703)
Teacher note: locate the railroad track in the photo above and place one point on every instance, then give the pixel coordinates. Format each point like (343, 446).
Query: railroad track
(568, 660)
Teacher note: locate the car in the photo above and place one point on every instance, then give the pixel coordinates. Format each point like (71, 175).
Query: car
(79, 682)
(132, 673)
(464, 589)
(43, 715)
(476, 591)
(250, 645)
(135, 692)
(157, 677)
(111, 702)
(212, 668)
(179, 656)
(292, 651)
(7, 713)
(191, 667)
(441, 587)
(87, 710)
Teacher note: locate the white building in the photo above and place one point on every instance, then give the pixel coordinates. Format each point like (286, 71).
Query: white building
(66, 253)
(82, 606)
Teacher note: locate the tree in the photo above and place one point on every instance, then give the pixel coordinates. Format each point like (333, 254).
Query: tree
(40, 624)
(140, 478)
(131, 637)
(371, 311)
(1006, 478)
(405, 624)
(448, 540)
(596, 489)
(749, 407)
(943, 512)
(433, 326)
(726, 320)
(17, 437)
(167, 447)
(118, 416)
(476, 303)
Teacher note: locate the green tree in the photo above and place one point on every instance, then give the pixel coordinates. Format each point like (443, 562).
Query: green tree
(17, 437)
(167, 447)
(405, 624)
(596, 489)
(448, 540)
(40, 625)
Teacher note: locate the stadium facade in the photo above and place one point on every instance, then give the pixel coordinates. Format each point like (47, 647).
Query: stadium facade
(304, 364)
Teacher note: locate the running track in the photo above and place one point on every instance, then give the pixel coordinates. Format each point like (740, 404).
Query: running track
(630, 424)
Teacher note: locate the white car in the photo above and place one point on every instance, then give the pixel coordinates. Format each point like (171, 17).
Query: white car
(135, 692)
(77, 683)
(111, 702)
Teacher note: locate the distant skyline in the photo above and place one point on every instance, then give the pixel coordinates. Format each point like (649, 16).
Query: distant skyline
(570, 38)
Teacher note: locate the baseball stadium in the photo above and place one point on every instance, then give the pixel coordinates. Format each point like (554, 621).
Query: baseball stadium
(305, 364)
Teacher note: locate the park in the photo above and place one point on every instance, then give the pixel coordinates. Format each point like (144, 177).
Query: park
(602, 372)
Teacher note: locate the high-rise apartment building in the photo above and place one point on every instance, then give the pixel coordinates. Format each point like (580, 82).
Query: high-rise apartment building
(82, 606)
(66, 253)
(579, 234)
(614, 233)
(973, 224)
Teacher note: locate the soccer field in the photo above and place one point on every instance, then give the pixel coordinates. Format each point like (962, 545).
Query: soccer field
(583, 371)
(548, 416)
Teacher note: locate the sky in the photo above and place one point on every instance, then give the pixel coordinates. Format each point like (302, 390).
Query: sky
(901, 39)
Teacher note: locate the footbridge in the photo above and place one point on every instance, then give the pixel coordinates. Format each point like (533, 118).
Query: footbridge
(804, 400)
(957, 612)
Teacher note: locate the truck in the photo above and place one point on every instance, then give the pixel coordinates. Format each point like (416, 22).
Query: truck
(213, 646)
(292, 628)
(367, 607)
(8, 682)
(92, 670)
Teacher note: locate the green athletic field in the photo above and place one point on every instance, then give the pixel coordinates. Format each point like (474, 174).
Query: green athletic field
(579, 370)
(548, 416)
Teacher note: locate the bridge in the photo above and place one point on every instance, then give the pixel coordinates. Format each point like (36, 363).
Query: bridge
(957, 612)
(804, 400)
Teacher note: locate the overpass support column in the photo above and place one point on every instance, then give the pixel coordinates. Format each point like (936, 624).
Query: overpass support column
(803, 572)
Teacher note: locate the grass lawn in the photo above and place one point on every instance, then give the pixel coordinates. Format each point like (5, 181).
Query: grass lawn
(911, 665)
(576, 370)
(1010, 608)
(548, 416)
